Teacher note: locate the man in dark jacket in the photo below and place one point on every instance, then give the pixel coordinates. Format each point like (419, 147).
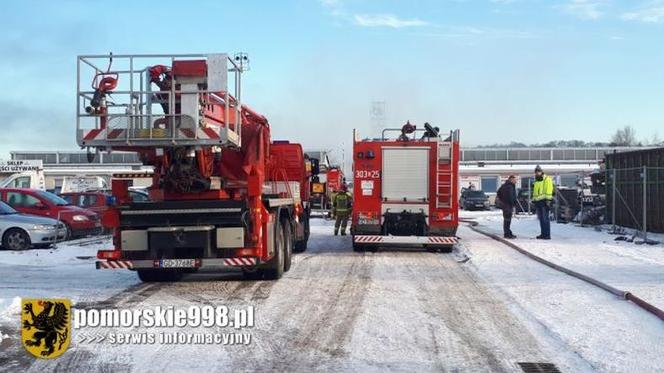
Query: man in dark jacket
(506, 200)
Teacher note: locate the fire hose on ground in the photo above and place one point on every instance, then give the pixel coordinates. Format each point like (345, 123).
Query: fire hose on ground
(617, 292)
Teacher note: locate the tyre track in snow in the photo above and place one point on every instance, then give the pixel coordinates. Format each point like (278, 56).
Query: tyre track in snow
(487, 333)
(329, 331)
(311, 315)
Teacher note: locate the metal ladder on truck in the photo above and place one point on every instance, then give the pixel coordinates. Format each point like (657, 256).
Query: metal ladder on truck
(444, 178)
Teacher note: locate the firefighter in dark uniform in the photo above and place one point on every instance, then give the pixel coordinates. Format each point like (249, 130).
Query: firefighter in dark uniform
(341, 208)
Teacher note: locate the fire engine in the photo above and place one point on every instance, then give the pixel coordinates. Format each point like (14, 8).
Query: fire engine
(322, 191)
(335, 178)
(222, 194)
(405, 189)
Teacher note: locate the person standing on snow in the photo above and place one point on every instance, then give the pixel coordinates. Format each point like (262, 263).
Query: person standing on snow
(543, 198)
(506, 200)
(341, 208)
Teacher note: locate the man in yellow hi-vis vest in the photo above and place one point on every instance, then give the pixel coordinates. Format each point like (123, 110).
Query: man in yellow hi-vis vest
(341, 207)
(543, 198)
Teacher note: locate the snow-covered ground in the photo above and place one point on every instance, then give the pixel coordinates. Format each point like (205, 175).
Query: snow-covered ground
(385, 311)
(611, 333)
(638, 268)
(66, 271)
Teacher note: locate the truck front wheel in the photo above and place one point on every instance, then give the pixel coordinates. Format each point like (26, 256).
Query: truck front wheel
(275, 267)
(288, 244)
(301, 246)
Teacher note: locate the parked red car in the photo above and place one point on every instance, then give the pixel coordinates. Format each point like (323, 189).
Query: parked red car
(79, 221)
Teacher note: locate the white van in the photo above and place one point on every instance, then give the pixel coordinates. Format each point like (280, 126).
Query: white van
(22, 174)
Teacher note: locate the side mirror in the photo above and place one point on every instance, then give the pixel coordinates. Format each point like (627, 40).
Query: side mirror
(40, 206)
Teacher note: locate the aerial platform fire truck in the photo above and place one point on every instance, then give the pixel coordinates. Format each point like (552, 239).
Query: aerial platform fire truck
(405, 189)
(222, 194)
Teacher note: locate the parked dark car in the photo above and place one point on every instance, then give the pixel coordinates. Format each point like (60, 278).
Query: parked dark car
(78, 221)
(474, 200)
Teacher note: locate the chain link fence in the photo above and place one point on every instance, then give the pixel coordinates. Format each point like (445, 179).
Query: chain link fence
(635, 198)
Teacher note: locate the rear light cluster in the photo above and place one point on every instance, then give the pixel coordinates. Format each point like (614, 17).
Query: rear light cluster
(368, 218)
(108, 254)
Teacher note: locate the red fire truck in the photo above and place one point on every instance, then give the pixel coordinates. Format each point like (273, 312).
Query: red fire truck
(405, 189)
(222, 195)
(322, 192)
(335, 178)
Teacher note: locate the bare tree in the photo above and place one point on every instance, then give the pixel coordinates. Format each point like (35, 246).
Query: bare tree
(624, 137)
(654, 140)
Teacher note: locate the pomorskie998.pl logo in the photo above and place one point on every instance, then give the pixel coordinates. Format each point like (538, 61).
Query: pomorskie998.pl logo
(47, 325)
(162, 318)
(169, 316)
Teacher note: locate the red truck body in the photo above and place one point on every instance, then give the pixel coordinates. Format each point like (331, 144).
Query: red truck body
(405, 191)
(291, 176)
(334, 179)
(222, 194)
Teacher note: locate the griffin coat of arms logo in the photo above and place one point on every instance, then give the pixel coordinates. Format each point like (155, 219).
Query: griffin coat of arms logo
(46, 326)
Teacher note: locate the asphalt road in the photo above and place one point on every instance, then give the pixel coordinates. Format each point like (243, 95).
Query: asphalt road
(335, 310)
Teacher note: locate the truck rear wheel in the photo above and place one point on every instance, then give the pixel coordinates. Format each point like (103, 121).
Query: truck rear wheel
(155, 275)
(288, 244)
(436, 249)
(275, 267)
(359, 248)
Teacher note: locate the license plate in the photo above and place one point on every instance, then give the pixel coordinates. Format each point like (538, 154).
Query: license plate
(178, 263)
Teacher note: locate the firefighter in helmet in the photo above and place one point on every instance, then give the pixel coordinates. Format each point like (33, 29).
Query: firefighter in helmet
(341, 208)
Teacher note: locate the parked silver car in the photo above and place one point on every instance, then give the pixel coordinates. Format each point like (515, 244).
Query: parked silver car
(20, 231)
